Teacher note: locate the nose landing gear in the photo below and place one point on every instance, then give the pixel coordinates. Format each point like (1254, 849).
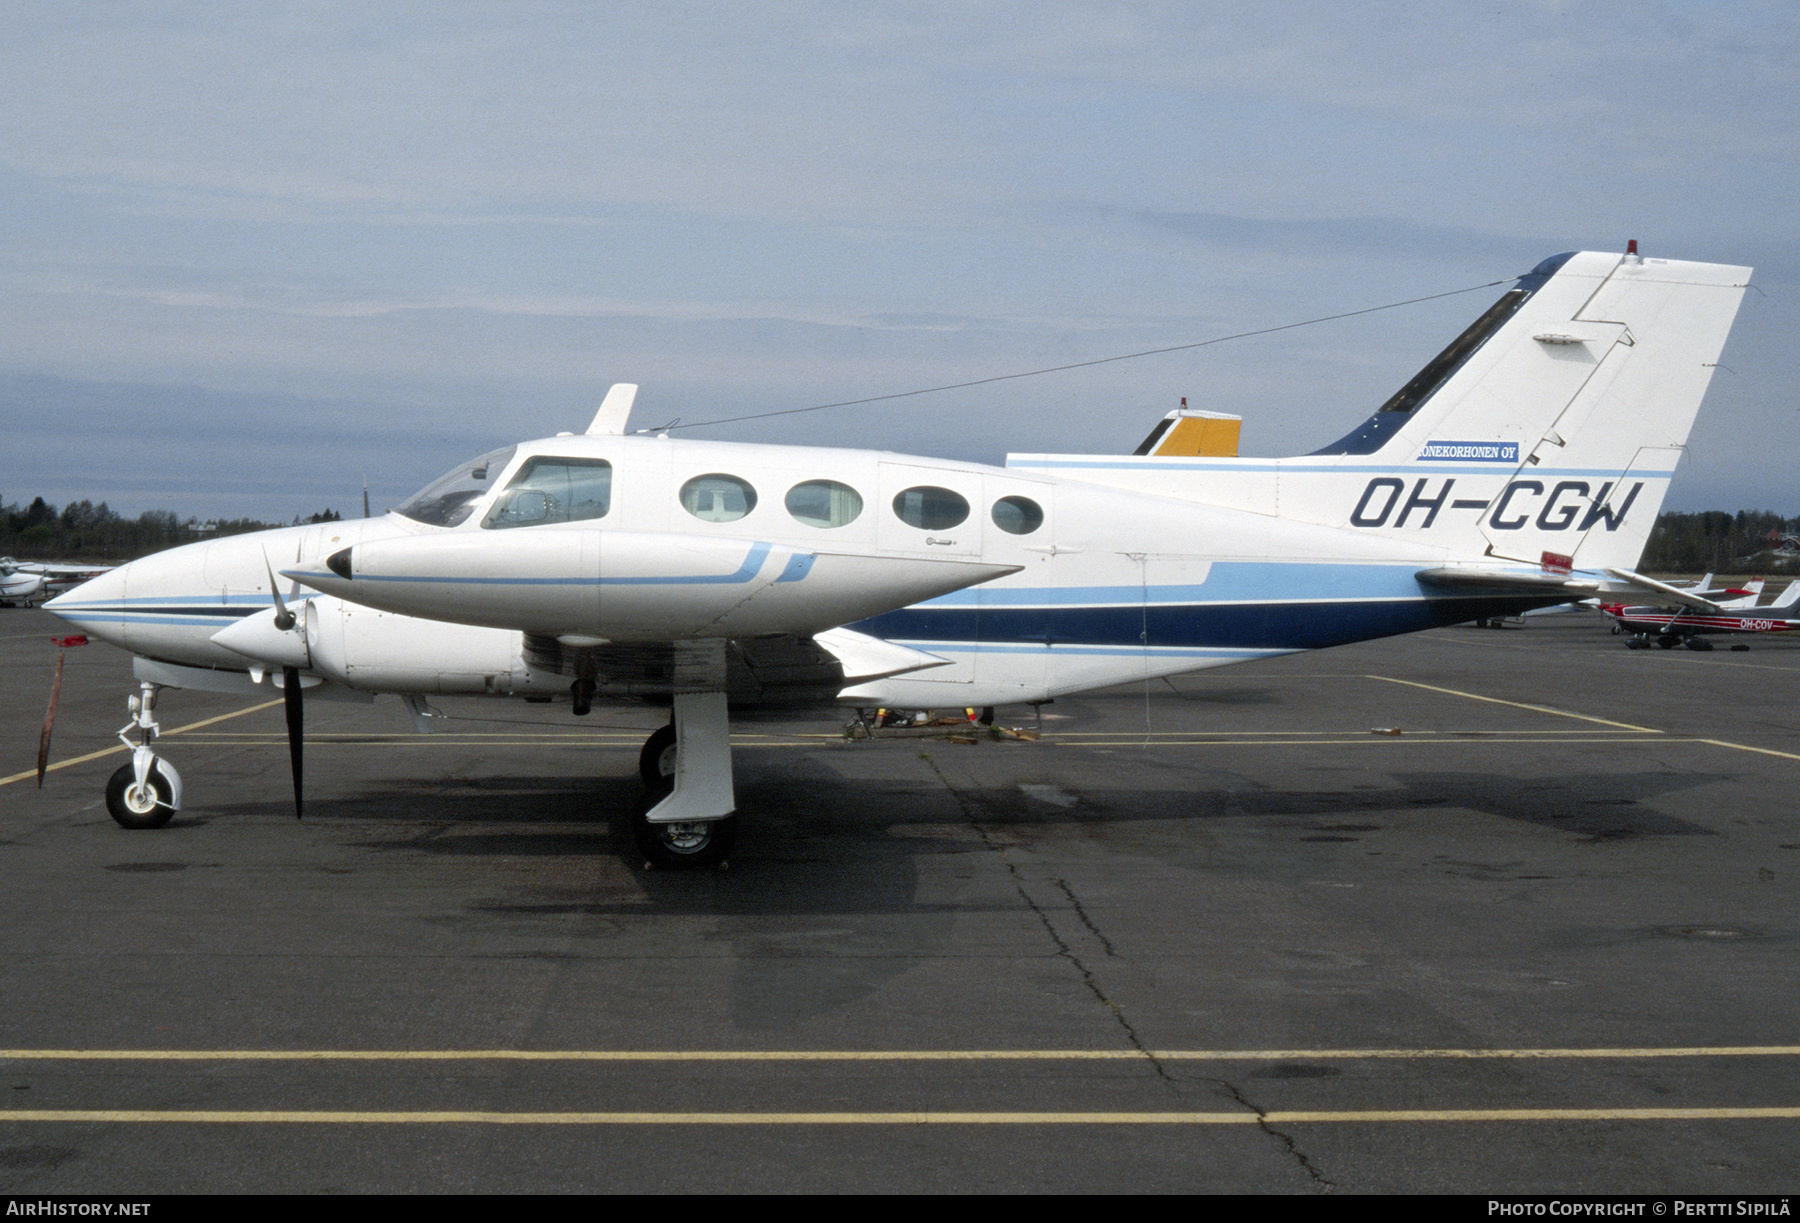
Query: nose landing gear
(147, 792)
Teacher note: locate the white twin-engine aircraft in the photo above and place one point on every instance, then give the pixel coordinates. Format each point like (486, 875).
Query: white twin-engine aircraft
(1523, 467)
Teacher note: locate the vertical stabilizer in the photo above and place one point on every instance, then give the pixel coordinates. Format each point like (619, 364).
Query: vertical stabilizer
(1553, 425)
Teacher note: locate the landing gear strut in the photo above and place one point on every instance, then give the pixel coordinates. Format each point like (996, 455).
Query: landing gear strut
(146, 792)
(684, 820)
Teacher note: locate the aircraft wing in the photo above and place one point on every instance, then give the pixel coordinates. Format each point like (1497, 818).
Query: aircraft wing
(1686, 598)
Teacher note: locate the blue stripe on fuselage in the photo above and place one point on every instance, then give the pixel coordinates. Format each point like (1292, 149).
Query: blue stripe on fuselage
(1225, 582)
(1297, 625)
(751, 566)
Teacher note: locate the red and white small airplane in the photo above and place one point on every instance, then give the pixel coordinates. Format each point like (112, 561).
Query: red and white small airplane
(1693, 614)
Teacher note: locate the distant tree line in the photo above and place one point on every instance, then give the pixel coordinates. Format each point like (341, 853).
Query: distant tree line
(1712, 541)
(1748, 541)
(84, 531)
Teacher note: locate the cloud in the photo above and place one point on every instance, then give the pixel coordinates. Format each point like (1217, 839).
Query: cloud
(458, 205)
(1383, 236)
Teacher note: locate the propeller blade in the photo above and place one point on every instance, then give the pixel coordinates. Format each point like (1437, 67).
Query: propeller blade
(296, 726)
(284, 619)
(50, 719)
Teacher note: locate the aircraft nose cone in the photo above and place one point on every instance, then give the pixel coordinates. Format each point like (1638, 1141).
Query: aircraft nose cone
(96, 607)
(106, 585)
(339, 563)
(109, 585)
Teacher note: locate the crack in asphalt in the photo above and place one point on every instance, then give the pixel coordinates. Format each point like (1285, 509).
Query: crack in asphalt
(1092, 983)
(1061, 944)
(1282, 1136)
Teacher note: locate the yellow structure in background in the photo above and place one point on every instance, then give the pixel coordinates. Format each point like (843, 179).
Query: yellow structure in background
(1188, 432)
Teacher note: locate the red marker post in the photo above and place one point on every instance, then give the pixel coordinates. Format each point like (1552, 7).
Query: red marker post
(63, 646)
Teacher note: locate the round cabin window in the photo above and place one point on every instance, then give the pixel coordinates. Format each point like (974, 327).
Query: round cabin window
(1018, 515)
(931, 509)
(717, 497)
(824, 503)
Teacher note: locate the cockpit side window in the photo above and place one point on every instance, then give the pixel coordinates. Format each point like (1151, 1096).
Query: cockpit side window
(447, 500)
(552, 489)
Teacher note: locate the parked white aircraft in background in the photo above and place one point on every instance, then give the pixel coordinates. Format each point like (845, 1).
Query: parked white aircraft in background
(23, 581)
(1522, 467)
(18, 585)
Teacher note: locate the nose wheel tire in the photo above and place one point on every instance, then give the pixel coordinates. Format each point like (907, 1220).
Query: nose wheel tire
(133, 806)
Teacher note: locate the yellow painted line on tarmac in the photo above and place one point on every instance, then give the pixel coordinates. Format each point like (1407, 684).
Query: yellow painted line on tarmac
(107, 751)
(876, 1055)
(1167, 739)
(1744, 747)
(1285, 1117)
(1494, 700)
(253, 739)
(1341, 730)
(1381, 740)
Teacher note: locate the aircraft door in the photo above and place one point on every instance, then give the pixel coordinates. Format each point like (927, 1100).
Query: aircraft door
(1019, 634)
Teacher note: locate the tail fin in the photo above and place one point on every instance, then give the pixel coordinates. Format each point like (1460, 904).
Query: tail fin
(1746, 595)
(1546, 433)
(1551, 427)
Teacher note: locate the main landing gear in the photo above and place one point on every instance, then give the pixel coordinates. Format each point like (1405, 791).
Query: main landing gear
(146, 792)
(684, 820)
(1668, 641)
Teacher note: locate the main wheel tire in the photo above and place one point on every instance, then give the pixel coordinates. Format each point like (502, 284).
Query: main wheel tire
(133, 807)
(688, 846)
(1698, 643)
(1637, 643)
(656, 762)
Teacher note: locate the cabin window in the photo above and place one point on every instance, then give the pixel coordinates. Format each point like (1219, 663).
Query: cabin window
(930, 509)
(718, 497)
(549, 490)
(1018, 515)
(447, 500)
(824, 503)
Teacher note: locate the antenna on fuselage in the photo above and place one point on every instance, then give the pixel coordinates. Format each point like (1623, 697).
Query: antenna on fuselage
(614, 411)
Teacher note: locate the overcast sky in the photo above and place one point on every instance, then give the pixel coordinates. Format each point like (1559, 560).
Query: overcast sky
(255, 251)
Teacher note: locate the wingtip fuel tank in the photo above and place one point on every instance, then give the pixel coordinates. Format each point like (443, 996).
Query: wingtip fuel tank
(631, 586)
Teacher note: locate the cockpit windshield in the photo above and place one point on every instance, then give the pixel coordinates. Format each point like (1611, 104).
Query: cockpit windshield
(446, 501)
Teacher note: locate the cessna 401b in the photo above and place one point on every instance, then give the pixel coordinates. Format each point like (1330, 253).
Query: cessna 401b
(1522, 467)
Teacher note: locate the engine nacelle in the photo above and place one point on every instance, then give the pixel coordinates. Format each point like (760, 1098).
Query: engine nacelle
(378, 651)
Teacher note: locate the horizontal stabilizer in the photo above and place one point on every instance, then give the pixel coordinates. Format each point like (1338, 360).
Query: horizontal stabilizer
(1510, 581)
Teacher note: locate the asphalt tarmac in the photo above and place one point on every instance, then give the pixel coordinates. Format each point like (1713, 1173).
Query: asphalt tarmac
(1468, 911)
